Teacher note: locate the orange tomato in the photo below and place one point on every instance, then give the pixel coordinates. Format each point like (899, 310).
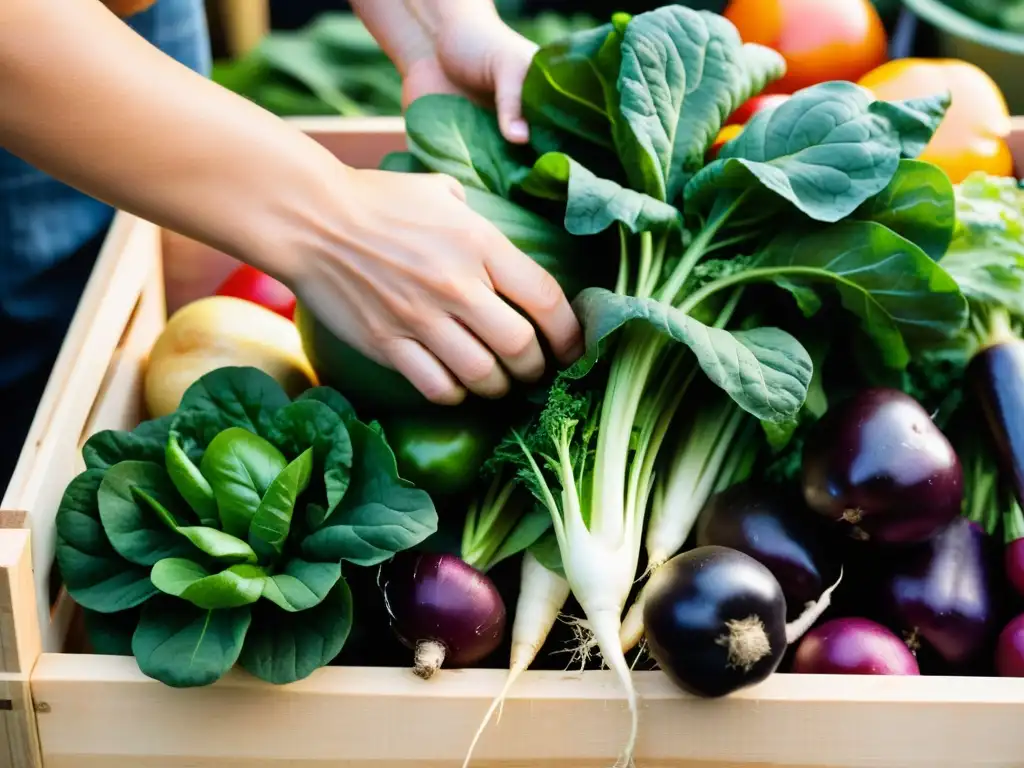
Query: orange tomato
(821, 40)
(753, 105)
(972, 135)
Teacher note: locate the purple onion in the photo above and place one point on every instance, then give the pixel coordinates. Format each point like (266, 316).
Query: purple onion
(853, 646)
(1010, 649)
(444, 609)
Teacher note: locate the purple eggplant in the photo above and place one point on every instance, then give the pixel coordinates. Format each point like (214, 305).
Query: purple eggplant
(877, 464)
(996, 376)
(942, 593)
(760, 521)
(444, 609)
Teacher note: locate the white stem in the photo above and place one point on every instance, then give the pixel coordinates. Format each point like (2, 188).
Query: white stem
(605, 626)
(799, 626)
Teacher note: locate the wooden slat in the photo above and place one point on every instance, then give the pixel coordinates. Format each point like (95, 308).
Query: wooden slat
(19, 649)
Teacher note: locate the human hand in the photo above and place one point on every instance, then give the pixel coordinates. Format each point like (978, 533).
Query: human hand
(479, 56)
(417, 281)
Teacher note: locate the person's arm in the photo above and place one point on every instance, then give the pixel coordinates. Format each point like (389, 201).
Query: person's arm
(396, 264)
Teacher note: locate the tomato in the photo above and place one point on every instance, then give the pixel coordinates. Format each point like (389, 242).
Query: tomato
(442, 450)
(252, 285)
(972, 135)
(727, 134)
(821, 40)
(751, 107)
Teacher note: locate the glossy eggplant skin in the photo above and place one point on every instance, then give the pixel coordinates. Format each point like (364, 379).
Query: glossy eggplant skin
(877, 465)
(760, 521)
(943, 593)
(996, 376)
(695, 604)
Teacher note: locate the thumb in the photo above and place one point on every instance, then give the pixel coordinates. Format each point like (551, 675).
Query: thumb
(508, 100)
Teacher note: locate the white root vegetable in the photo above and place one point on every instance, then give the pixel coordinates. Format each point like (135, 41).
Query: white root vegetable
(542, 595)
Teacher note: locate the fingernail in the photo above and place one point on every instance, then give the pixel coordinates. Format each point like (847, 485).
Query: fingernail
(518, 130)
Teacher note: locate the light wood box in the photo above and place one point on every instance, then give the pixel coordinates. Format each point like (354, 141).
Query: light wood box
(66, 710)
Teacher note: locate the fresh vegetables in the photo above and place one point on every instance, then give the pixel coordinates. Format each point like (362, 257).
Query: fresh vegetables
(972, 137)
(942, 593)
(217, 332)
(1013, 557)
(878, 465)
(249, 283)
(1010, 649)
(998, 14)
(752, 106)
(444, 609)
(228, 522)
(837, 40)
(853, 646)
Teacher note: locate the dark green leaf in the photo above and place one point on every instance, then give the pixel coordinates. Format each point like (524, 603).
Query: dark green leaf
(546, 550)
(918, 204)
(452, 135)
(272, 521)
(765, 370)
(240, 467)
(301, 585)
(332, 399)
(144, 443)
(95, 575)
(320, 424)
(915, 120)
(380, 515)
(534, 523)
(282, 647)
(189, 481)
(233, 587)
(825, 150)
(402, 162)
(133, 526)
(110, 634)
(183, 646)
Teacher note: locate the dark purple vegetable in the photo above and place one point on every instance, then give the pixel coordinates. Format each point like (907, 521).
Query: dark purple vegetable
(996, 375)
(878, 464)
(760, 521)
(942, 592)
(853, 646)
(715, 620)
(1010, 649)
(445, 610)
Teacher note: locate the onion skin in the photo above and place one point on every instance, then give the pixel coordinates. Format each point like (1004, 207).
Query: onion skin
(715, 621)
(1010, 649)
(853, 646)
(996, 376)
(444, 609)
(877, 464)
(942, 592)
(759, 521)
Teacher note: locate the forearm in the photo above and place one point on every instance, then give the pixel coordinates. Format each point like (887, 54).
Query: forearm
(86, 99)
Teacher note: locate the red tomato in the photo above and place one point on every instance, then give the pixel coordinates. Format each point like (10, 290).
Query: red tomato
(821, 40)
(252, 285)
(752, 106)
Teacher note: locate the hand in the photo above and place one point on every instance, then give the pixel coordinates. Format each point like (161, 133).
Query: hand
(415, 279)
(479, 56)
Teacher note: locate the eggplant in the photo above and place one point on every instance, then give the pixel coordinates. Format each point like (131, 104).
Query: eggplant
(995, 375)
(1010, 649)
(715, 620)
(760, 521)
(853, 646)
(943, 593)
(444, 609)
(877, 465)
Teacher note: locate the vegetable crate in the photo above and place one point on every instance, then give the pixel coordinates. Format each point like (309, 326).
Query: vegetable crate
(63, 708)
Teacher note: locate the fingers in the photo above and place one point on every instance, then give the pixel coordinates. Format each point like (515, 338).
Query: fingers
(466, 357)
(424, 371)
(533, 289)
(508, 100)
(451, 184)
(506, 332)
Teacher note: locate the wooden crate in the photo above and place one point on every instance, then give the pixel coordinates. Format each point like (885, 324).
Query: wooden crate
(70, 710)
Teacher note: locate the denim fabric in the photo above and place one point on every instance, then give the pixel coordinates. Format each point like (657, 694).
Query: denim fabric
(44, 224)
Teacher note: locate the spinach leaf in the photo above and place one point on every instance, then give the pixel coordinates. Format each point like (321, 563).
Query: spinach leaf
(682, 74)
(765, 370)
(825, 150)
(189, 482)
(94, 573)
(918, 204)
(144, 443)
(452, 135)
(133, 527)
(183, 646)
(283, 647)
(234, 587)
(380, 515)
(240, 467)
(110, 634)
(900, 294)
(273, 519)
(332, 399)
(313, 422)
(402, 162)
(301, 585)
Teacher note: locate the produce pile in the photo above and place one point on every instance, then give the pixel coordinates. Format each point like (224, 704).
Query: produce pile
(773, 440)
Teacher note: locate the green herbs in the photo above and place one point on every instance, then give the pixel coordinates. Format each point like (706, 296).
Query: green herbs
(228, 524)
